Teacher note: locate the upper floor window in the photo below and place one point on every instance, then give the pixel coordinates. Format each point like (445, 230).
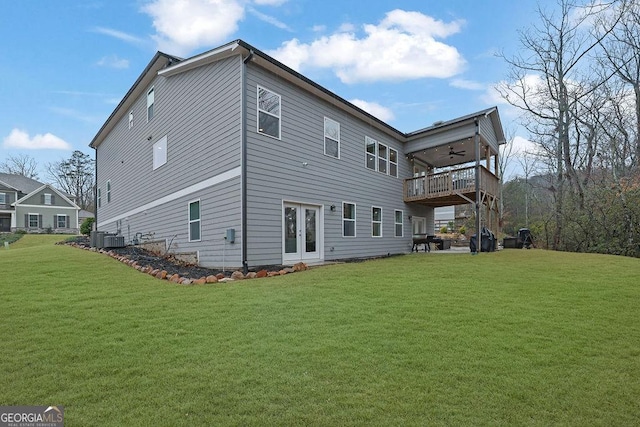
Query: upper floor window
(3, 198)
(150, 101)
(160, 153)
(269, 112)
(108, 191)
(194, 221)
(399, 223)
(47, 199)
(130, 119)
(99, 197)
(348, 219)
(376, 222)
(331, 138)
(380, 157)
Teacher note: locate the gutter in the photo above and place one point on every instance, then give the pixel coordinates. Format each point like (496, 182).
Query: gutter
(243, 162)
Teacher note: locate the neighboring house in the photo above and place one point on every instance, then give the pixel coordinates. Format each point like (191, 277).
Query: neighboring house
(26, 204)
(236, 157)
(84, 214)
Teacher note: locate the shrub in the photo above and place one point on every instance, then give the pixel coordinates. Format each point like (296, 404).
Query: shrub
(444, 230)
(462, 230)
(86, 226)
(21, 231)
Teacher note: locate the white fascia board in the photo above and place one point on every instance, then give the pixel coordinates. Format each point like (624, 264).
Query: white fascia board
(200, 60)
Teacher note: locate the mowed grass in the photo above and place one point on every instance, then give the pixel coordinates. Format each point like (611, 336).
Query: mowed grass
(510, 338)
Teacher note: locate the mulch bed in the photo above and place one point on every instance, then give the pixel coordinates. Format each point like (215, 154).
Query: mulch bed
(167, 263)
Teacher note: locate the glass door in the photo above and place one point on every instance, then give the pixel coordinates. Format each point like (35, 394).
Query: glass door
(301, 236)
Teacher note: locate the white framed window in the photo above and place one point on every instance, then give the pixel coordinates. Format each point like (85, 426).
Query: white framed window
(151, 99)
(48, 199)
(376, 221)
(269, 112)
(370, 149)
(194, 221)
(331, 138)
(33, 220)
(380, 157)
(393, 162)
(160, 153)
(398, 223)
(130, 119)
(108, 191)
(383, 158)
(99, 197)
(61, 221)
(3, 198)
(348, 219)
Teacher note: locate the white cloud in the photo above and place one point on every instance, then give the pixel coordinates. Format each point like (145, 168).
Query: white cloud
(402, 46)
(21, 139)
(113, 61)
(183, 25)
(375, 109)
(120, 35)
(269, 19)
(522, 145)
(467, 84)
(269, 2)
(319, 28)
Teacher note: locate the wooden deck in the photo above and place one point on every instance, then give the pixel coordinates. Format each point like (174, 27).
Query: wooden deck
(447, 188)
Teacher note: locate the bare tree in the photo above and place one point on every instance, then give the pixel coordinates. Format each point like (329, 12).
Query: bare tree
(21, 164)
(547, 82)
(76, 177)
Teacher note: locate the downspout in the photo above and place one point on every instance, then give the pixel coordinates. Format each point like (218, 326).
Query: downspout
(95, 191)
(476, 141)
(243, 165)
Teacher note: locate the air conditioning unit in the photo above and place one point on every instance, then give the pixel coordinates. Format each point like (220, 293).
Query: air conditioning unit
(114, 241)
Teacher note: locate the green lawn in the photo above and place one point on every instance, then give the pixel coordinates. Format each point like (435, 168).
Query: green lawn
(510, 338)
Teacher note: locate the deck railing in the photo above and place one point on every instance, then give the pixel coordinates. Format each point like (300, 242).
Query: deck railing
(444, 184)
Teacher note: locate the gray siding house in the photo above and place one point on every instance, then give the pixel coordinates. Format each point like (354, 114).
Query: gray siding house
(26, 204)
(235, 157)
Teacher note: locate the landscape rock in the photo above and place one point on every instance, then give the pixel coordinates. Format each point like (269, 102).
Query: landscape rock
(212, 279)
(200, 281)
(301, 266)
(226, 280)
(262, 273)
(237, 275)
(251, 275)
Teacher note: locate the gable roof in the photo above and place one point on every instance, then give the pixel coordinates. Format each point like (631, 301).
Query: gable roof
(42, 187)
(20, 183)
(167, 66)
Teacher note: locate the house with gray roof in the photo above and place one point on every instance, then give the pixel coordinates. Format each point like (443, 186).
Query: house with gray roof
(30, 205)
(234, 157)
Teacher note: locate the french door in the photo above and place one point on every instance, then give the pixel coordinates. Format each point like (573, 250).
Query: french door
(302, 234)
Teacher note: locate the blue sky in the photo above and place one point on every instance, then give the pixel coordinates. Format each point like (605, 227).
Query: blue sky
(411, 63)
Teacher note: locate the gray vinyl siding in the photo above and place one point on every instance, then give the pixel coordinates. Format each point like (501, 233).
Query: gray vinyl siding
(10, 197)
(48, 217)
(219, 210)
(487, 130)
(199, 112)
(37, 199)
(276, 172)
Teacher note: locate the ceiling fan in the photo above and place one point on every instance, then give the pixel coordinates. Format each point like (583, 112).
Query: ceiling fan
(453, 152)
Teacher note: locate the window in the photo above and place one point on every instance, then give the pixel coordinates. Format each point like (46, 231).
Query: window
(99, 197)
(194, 221)
(108, 191)
(268, 112)
(160, 153)
(47, 199)
(380, 157)
(376, 222)
(3, 198)
(61, 221)
(383, 157)
(331, 138)
(398, 222)
(130, 119)
(34, 221)
(371, 152)
(348, 219)
(151, 98)
(393, 162)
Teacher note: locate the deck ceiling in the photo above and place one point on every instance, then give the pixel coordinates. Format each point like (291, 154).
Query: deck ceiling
(455, 152)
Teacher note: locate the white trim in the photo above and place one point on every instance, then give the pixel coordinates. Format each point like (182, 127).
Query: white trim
(225, 176)
(373, 221)
(395, 211)
(187, 64)
(199, 220)
(355, 222)
(48, 207)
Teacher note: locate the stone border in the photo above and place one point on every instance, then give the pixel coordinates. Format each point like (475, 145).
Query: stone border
(181, 280)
